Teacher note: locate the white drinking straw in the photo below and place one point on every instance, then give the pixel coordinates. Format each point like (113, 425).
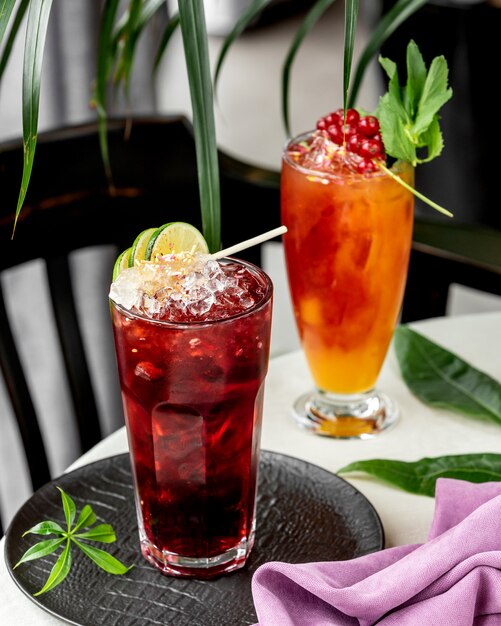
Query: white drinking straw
(249, 242)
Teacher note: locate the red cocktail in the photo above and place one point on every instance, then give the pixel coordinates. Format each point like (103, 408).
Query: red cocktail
(192, 391)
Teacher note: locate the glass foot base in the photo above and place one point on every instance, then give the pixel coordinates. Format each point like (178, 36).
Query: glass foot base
(173, 564)
(359, 416)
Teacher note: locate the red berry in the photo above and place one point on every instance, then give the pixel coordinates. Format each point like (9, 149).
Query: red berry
(377, 137)
(321, 124)
(352, 116)
(334, 118)
(353, 143)
(335, 133)
(348, 130)
(366, 166)
(368, 125)
(370, 148)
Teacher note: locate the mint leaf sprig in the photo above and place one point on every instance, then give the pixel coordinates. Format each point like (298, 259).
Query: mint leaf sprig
(76, 535)
(408, 115)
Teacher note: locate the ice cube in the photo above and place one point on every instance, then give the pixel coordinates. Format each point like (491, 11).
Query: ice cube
(148, 371)
(319, 156)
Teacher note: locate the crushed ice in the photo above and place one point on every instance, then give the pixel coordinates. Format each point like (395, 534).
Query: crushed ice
(320, 153)
(174, 283)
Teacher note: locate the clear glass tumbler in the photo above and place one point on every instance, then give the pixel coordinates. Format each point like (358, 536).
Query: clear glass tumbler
(193, 398)
(347, 252)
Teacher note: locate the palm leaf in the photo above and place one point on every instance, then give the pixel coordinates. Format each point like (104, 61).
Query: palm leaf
(196, 51)
(14, 30)
(350, 24)
(129, 39)
(129, 29)
(105, 60)
(310, 20)
(36, 31)
(252, 11)
(6, 7)
(148, 10)
(400, 11)
(170, 29)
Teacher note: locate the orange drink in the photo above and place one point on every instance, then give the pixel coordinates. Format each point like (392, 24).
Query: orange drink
(347, 253)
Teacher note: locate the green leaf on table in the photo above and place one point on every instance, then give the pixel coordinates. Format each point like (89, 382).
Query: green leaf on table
(59, 572)
(442, 379)
(419, 477)
(70, 510)
(104, 560)
(86, 518)
(42, 548)
(103, 533)
(45, 528)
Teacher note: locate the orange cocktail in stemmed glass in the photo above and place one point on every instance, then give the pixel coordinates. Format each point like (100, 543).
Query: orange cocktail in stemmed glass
(347, 252)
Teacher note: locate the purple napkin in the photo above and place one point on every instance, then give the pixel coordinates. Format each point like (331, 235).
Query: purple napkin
(453, 579)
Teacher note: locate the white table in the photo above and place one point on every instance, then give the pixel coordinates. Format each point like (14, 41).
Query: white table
(421, 431)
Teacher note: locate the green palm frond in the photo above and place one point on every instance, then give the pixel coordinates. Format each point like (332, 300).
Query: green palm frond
(105, 61)
(247, 17)
(14, 30)
(6, 8)
(36, 32)
(350, 25)
(314, 14)
(118, 38)
(169, 30)
(196, 51)
(401, 10)
(129, 37)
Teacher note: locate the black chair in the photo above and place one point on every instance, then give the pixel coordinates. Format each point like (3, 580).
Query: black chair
(445, 253)
(69, 207)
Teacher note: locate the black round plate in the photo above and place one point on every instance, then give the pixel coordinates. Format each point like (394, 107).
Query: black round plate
(304, 514)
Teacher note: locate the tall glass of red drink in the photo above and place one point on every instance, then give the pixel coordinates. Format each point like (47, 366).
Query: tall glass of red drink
(192, 382)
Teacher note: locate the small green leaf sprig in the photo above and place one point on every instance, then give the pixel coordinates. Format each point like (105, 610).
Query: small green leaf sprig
(408, 115)
(73, 535)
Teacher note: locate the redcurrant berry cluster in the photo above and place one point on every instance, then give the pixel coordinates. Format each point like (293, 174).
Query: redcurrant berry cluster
(360, 135)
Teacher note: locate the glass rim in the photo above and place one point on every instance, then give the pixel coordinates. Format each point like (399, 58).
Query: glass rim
(379, 174)
(257, 306)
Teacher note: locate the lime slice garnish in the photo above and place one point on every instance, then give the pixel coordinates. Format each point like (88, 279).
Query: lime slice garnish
(121, 263)
(138, 249)
(175, 237)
